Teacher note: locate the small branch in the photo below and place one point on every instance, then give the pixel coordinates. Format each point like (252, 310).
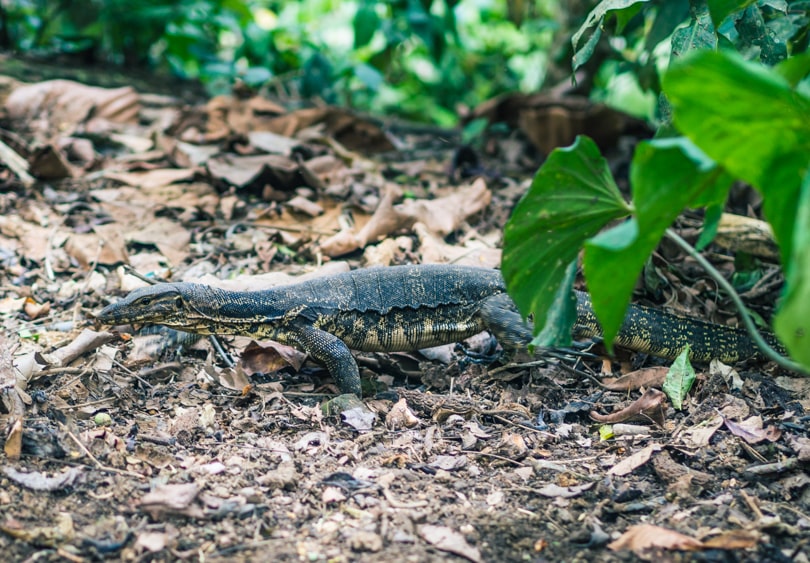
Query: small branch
(766, 348)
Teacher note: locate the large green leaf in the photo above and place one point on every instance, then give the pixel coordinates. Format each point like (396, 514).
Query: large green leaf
(792, 321)
(748, 119)
(573, 196)
(666, 176)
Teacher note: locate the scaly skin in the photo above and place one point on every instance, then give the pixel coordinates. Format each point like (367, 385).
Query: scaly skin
(400, 308)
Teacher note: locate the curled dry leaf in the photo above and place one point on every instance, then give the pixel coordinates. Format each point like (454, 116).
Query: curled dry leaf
(650, 406)
(35, 310)
(269, 357)
(440, 216)
(401, 416)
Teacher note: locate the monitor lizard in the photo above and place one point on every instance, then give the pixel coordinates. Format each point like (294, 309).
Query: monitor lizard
(401, 308)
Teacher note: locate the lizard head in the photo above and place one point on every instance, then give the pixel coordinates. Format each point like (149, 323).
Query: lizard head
(164, 304)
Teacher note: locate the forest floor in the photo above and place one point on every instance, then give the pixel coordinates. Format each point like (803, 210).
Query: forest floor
(118, 448)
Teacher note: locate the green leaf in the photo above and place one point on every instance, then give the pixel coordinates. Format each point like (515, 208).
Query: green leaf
(794, 69)
(606, 432)
(720, 9)
(670, 15)
(366, 23)
(755, 40)
(369, 76)
(711, 222)
(573, 196)
(474, 130)
(748, 119)
(592, 27)
(792, 321)
(561, 315)
(679, 379)
(699, 34)
(666, 175)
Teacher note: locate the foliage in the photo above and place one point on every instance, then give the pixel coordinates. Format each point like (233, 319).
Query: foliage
(417, 58)
(680, 378)
(732, 119)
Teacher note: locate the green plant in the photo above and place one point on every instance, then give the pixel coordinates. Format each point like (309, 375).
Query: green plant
(739, 120)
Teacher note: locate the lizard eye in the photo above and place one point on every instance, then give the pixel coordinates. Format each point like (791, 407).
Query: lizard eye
(145, 301)
(178, 302)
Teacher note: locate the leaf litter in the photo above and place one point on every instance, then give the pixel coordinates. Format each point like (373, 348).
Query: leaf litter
(132, 450)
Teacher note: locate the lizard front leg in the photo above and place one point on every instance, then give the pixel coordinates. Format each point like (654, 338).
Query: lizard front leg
(501, 318)
(333, 353)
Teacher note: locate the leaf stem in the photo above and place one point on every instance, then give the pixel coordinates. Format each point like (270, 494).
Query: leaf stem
(766, 348)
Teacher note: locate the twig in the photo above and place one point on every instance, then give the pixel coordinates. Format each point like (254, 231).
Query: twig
(98, 464)
(16, 164)
(389, 496)
(766, 348)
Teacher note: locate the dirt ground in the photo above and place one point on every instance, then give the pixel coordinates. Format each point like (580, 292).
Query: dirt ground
(119, 447)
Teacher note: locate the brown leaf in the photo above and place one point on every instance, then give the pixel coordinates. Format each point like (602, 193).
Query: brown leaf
(49, 163)
(35, 310)
(171, 238)
(641, 378)
(643, 537)
(13, 445)
(733, 539)
(699, 435)
(59, 107)
(556, 491)
(171, 499)
(441, 216)
(269, 357)
(256, 171)
(152, 178)
(629, 464)
(650, 406)
(86, 341)
(401, 416)
(37, 481)
(751, 430)
(444, 215)
(449, 540)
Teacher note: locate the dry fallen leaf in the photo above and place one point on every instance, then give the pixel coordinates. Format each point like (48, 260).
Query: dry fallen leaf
(751, 430)
(556, 491)
(638, 379)
(449, 540)
(37, 481)
(628, 464)
(644, 537)
(650, 406)
(171, 499)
